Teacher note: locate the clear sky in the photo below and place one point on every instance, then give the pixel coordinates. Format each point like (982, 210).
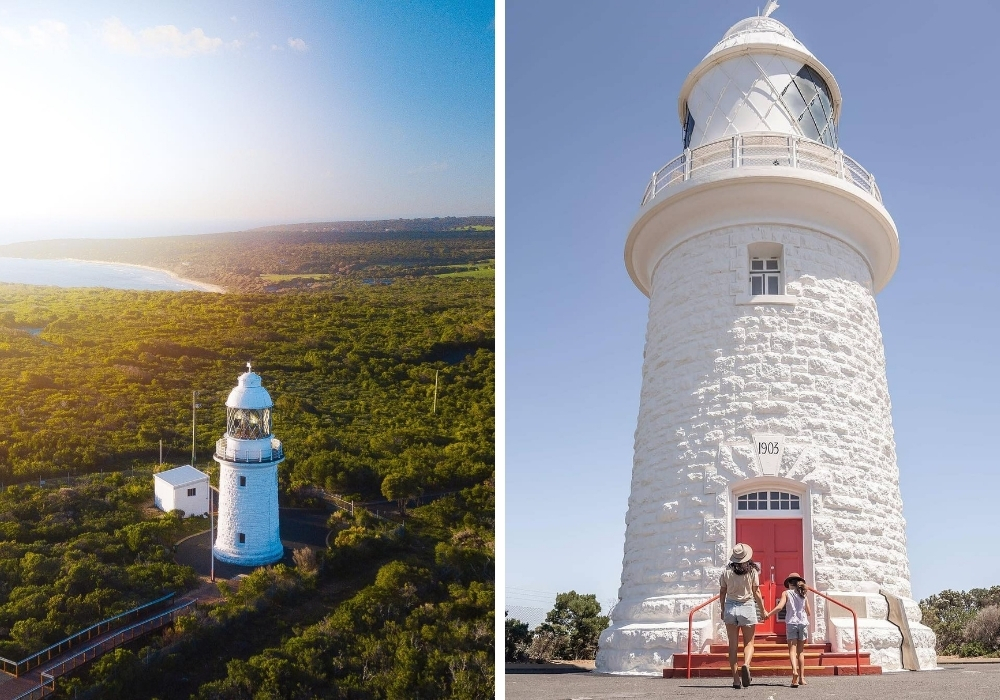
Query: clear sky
(591, 103)
(128, 118)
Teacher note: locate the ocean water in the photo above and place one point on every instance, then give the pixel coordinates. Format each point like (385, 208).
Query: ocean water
(78, 273)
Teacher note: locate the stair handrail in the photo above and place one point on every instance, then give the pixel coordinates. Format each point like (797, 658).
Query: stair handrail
(857, 639)
(691, 628)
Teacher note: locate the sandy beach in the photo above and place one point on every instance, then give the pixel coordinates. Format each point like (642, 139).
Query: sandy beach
(197, 284)
(202, 286)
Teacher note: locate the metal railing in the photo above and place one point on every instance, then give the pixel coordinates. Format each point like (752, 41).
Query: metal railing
(759, 149)
(243, 456)
(18, 668)
(857, 639)
(691, 628)
(47, 686)
(47, 677)
(346, 505)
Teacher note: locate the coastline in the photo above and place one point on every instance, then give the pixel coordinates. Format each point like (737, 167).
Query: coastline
(201, 286)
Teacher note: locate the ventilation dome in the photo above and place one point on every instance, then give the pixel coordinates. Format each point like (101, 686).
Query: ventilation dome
(758, 30)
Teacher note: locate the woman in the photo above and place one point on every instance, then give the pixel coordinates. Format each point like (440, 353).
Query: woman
(797, 613)
(739, 592)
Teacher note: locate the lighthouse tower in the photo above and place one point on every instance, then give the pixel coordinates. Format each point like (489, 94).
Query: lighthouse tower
(764, 416)
(248, 457)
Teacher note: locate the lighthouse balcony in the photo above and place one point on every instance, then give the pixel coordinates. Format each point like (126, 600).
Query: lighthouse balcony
(228, 450)
(758, 150)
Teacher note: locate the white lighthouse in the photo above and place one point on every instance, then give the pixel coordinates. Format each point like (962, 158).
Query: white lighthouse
(764, 415)
(248, 457)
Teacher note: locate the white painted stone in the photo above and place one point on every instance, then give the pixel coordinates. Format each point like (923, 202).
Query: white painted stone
(248, 487)
(880, 638)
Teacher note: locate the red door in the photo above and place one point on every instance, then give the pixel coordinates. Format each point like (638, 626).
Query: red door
(777, 547)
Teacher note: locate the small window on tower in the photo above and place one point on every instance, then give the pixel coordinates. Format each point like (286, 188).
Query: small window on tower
(192, 492)
(243, 538)
(243, 481)
(765, 269)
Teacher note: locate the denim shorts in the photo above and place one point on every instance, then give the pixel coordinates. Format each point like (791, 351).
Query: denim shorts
(740, 613)
(794, 632)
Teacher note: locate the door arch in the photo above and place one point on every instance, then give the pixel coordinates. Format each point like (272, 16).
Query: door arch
(771, 515)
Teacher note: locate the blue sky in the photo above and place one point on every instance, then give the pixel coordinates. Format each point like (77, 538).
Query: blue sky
(128, 118)
(591, 95)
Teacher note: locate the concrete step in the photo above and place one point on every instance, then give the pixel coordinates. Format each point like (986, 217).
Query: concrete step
(774, 671)
(768, 646)
(769, 659)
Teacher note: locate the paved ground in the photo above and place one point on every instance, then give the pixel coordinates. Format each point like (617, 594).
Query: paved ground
(299, 528)
(964, 681)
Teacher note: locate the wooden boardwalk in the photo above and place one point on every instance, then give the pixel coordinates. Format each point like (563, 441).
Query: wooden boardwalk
(40, 680)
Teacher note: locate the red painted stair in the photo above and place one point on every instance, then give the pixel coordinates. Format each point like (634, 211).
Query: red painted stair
(770, 658)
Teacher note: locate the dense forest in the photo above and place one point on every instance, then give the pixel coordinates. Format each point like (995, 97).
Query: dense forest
(297, 256)
(94, 379)
(72, 556)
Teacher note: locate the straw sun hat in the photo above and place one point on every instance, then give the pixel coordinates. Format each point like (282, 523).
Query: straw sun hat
(793, 578)
(741, 553)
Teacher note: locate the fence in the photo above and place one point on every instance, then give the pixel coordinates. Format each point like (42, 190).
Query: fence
(765, 149)
(48, 676)
(349, 506)
(17, 668)
(74, 479)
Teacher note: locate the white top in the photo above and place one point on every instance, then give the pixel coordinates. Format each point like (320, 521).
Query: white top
(795, 609)
(181, 476)
(739, 588)
(248, 393)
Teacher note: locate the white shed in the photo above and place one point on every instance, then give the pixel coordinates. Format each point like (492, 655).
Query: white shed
(183, 488)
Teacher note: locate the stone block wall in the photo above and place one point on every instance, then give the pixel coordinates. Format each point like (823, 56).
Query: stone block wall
(252, 510)
(718, 369)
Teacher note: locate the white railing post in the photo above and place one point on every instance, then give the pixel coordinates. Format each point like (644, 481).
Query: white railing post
(687, 164)
(793, 155)
(736, 151)
(840, 164)
(871, 184)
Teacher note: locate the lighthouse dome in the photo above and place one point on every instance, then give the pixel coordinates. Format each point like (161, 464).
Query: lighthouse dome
(758, 30)
(248, 393)
(759, 78)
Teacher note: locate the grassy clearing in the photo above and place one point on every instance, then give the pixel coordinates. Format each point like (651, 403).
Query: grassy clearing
(481, 270)
(479, 273)
(285, 278)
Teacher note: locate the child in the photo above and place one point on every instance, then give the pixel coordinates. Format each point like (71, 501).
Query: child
(797, 612)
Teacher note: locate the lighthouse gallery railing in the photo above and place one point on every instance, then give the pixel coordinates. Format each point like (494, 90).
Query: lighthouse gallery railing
(249, 456)
(765, 149)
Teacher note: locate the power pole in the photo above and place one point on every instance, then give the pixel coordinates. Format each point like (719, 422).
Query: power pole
(161, 452)
(211, 529)
(435, 409)
(193, 410)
